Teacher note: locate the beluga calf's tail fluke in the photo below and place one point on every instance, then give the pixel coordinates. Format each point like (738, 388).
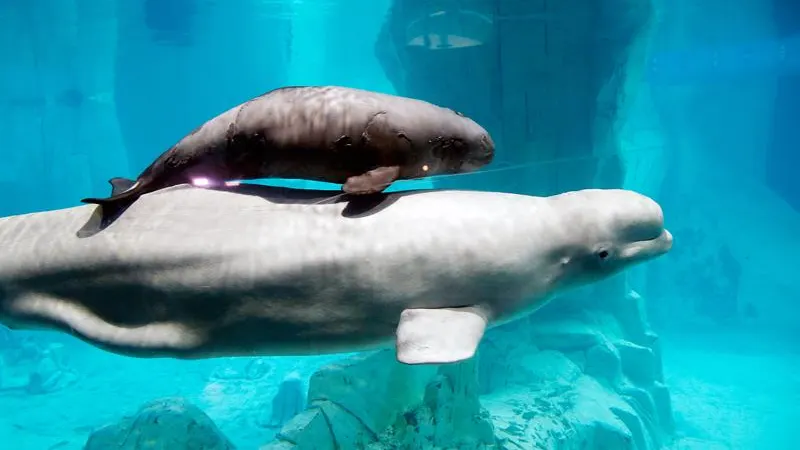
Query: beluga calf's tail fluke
(360, 139)
(124, 192)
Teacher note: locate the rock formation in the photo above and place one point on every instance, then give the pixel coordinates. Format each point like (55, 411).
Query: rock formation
(163, 424)
(288, 402)
(372, 401)
(33, 366)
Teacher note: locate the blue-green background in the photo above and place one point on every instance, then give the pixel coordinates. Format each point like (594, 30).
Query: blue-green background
(708, 126)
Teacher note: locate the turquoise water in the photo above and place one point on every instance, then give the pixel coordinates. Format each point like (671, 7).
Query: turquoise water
(692, 103)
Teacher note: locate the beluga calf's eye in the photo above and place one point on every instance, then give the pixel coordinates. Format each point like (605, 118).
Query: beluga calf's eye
(603, 254)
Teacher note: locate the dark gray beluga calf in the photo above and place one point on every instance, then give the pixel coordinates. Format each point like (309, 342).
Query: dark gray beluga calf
(362, 139)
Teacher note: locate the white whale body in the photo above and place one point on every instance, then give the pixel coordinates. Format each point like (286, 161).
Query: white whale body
(188, 272)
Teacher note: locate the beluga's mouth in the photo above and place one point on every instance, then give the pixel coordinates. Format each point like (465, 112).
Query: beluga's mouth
(643, 250)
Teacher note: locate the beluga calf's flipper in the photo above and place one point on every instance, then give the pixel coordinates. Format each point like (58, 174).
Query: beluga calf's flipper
(440, 336)
(372, 182)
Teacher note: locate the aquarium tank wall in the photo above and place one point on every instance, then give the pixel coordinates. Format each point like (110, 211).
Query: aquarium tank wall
(693, 103)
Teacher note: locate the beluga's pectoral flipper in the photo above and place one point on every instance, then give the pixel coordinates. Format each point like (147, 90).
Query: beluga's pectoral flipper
(440, 336)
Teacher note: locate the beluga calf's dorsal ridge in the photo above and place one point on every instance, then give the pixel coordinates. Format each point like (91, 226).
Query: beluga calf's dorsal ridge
(255, 270)
(361, 139)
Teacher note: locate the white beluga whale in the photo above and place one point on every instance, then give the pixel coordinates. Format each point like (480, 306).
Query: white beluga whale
(255, 270)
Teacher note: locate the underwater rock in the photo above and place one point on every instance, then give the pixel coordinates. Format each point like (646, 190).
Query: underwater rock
(638, 363)
(372, 401)
(51, 373)
(347, 429)
(633, 318)
(578, 357)
(372, 387)
(640, 400)
(647, 416)
(610, 436)
(450, 415)
(582, 415)
(565, 336)
(573, 334)
(35, 368)
(608, 411)
(654, 343)
(663, 407)
(594, 388)
(287, 445)
(492, 371)
(308, 430)
(288, 402)
(603, 362)
(510, 356)
(626, 306)
(546, 367)
(634, 424)
(163, 424)
(499, 353)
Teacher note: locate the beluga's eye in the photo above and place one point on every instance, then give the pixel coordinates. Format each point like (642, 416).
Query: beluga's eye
(602, 254)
